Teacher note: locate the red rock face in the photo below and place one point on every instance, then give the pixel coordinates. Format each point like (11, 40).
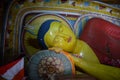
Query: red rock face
(104, 38)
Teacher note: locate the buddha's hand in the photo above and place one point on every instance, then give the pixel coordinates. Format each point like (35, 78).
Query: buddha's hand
(56, 49)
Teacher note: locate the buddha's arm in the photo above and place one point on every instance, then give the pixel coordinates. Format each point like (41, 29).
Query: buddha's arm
(100, 71)
(85, 52)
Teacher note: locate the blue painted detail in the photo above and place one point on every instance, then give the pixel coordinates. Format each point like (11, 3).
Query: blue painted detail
(47, 0)
(97, 7)
(86, 3)
(31, 32)
(72, 22)
(80, 28)
(59, 2)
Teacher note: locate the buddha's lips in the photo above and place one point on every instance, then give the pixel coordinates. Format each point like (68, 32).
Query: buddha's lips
(69, 39)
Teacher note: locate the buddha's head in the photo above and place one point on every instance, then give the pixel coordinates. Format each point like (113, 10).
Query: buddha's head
(54, 33)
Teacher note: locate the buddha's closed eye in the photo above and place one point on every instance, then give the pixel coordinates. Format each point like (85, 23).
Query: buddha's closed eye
(58, 39)
(62, 37)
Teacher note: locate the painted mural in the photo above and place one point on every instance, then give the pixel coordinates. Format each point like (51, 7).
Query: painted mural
(25, 17)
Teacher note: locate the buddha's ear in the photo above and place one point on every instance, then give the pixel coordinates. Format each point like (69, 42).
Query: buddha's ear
(48, 39)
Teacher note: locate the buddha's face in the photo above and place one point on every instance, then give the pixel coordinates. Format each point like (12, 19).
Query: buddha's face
(60, 36)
